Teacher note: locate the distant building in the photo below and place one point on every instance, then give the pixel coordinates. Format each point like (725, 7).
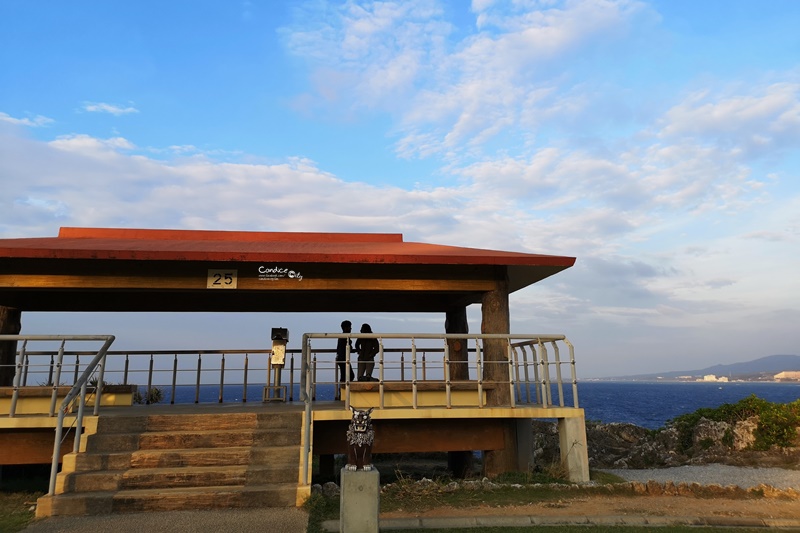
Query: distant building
(712, 377)
(788, 375)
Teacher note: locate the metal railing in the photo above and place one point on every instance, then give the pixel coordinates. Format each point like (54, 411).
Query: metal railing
(530, 371)
(77, 391)
(525, 367)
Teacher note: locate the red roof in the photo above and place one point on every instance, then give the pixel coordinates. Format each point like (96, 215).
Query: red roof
(201, 245)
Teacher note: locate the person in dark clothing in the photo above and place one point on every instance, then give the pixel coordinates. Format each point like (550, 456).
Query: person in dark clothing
(341, 353)
(367, 350)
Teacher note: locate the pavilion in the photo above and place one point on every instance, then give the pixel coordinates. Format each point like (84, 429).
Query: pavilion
(148, 270)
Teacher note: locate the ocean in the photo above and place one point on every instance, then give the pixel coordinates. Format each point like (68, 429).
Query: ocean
(646, 404)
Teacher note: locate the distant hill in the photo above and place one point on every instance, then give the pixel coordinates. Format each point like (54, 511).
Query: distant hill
(755, 369)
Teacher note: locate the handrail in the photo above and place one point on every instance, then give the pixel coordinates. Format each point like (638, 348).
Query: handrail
(79, 387)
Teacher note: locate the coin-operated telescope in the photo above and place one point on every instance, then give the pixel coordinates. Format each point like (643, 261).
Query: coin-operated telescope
(274, 391)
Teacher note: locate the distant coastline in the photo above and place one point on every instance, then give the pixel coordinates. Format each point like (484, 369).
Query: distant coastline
(770, 369)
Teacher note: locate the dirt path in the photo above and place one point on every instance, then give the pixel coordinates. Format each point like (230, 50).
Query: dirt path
(594, 506)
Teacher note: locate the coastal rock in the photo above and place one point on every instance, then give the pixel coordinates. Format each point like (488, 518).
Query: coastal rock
(744, 433)
(620, 445)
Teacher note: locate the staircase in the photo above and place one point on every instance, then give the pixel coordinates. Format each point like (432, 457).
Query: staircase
(168, 462)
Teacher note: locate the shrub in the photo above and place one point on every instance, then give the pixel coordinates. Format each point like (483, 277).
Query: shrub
(154, 395)
(777, 422)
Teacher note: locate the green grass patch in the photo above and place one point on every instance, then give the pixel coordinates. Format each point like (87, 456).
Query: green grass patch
(21, 486)
(594, 529)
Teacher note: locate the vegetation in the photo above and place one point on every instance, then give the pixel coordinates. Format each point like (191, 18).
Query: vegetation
(151, 396)
(21, 487)
(777, 422)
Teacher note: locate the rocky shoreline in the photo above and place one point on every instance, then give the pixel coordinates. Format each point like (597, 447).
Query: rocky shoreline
(627, 446)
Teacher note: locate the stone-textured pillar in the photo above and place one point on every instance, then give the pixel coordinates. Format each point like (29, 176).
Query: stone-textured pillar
(496, 319)
(456, 322)
(10, 324)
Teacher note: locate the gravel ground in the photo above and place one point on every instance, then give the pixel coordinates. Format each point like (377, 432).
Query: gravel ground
(716, 474)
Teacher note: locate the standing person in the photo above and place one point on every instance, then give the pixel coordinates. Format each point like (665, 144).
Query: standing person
(341, 353)
(367, 350)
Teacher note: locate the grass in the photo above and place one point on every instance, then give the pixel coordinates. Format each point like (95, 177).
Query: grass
(403, 491)
(21, 486)
(594, 529)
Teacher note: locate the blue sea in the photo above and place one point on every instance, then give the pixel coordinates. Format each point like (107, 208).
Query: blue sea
(646, 404)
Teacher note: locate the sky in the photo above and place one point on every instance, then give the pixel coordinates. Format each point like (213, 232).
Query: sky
(655, 141)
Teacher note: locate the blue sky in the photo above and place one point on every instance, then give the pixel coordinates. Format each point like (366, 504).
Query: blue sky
(654, 141)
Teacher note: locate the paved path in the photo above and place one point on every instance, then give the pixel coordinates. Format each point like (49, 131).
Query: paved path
(295, 521)
(214, 521)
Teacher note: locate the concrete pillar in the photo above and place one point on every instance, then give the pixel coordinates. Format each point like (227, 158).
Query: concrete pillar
(360, 501)
(574, 450)
(524, 444)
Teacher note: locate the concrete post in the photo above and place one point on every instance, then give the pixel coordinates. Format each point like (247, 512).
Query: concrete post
(574, 450)
(359, 504)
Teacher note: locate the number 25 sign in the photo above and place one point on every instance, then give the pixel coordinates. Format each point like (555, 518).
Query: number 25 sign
(221, 279)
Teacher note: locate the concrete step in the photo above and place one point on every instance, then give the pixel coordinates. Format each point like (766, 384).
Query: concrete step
(238, 455)
(76, 462)
(235, 455)
(204, 476)
(216, 439)
(132, 501)
(221, 497)
(93, 481)
(231, 421)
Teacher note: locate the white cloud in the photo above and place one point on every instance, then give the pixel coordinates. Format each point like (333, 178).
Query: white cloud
(753, 120)
(113, 109)
(450, 98)
(33, 122)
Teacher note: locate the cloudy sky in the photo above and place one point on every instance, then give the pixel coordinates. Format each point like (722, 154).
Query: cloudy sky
(656, 141)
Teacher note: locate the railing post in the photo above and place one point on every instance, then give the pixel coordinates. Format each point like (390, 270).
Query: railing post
(125, 372)
(448, 398)
(221, 376)
(305, 383)
(546, 393)
(413, 373)
(174, 378)
(26, 363)
(558, 374)
(197, 384)
(574, 374)
(149, 380)
(479, 371)
(12, 410)
(510, 357)
(76, 442)
(98, 395)
(291, 378)
(380, 373)
(244, 386)
(59, 361)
